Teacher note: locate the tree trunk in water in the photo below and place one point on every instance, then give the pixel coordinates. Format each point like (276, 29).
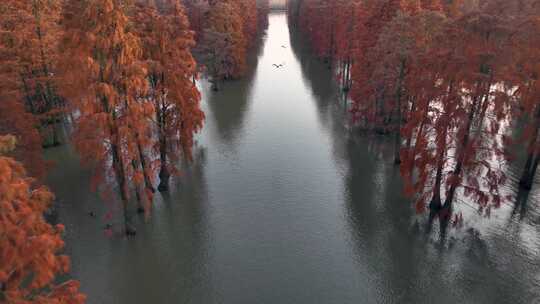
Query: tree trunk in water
(164, 174)
(397, 148)
(121, 180)
(408, 142)
(349, 75)
(342, 78)
(397, 143)
(55, 142)
(119, 170)
(162, 135)
(215, 85)
(445, 215)
(140, 204)
(435, 205)
(528, 182)
(527, 177)
(436, 200)
(461, 157)
(147, 179)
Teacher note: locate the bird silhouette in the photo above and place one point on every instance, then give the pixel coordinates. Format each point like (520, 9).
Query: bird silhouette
(278, 65)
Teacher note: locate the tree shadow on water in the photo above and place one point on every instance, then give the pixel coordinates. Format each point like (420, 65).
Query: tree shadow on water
(228, 106)
(169, 256)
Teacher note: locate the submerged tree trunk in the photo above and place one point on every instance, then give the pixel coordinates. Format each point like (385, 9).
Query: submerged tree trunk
(529, 171)
(164, 173)
(118, 167)
(140, 203)
(527, 183)
(120, 176)
(142, 158)
(446, 210)
(55, 140)
(215, 84)
(435, 205)
(397, 139)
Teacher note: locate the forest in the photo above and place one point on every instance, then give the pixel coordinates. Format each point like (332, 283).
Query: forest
(452, 85)
(454, 82)
(122, 75)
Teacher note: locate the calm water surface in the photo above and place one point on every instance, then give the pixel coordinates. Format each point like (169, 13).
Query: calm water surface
(284, 205)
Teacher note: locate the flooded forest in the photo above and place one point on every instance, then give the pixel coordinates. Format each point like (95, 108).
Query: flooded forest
(254, 151)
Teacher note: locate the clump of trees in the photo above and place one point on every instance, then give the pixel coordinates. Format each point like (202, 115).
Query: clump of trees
(450, 80)
(30, 34)
(30, 108)
(123, 75)
(29, 104)
(225, 31)
(29, 246)
(128, 73)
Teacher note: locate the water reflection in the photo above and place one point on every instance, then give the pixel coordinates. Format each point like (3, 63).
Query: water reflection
(316, 75)
(228, 107)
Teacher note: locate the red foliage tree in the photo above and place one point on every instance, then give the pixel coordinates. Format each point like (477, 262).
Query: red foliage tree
(15, 120)
(30, 36)
(225, 17)
(455, 136)
(196, 11)
(21, 51)
(29, 246)
(167, 43)
(225, 30)
(104, 77)
(437, 77)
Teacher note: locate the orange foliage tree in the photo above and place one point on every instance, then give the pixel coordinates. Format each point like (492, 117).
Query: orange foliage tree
(30, 32)
(167, 42)
(104, 78)
(29, 246)
(15, 120)
(444, 92)
(225, 33)
(15, 21)
(225, 17)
